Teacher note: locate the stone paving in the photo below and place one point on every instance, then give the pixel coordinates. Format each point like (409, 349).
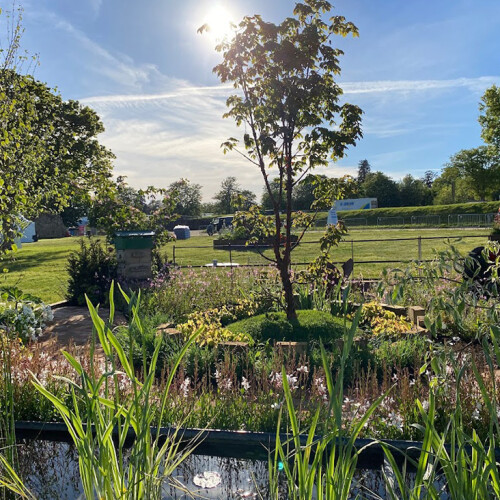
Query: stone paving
(72, 326)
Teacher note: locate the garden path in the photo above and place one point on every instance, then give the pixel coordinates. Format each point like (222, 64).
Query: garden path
(72, 326)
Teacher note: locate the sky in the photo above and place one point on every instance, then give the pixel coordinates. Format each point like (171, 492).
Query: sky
(418, 71)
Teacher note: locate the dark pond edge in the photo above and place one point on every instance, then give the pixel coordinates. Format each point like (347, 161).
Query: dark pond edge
(236, 444)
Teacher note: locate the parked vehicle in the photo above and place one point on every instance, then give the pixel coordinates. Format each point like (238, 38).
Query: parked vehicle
(220, 223)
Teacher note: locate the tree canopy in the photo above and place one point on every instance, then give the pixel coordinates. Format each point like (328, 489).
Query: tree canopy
(188, 197)
(481, 167)
(364, 168)
(231, 197)
(380, 186)
(288, 101)
(489, 119)
(49, 147)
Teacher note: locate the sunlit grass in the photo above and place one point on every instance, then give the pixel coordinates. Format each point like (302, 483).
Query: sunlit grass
(40, 268)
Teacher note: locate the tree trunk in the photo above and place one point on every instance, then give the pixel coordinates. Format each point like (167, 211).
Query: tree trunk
(286, 281)
(286, 267)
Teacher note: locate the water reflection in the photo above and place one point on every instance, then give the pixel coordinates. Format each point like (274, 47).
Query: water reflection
(50, 470)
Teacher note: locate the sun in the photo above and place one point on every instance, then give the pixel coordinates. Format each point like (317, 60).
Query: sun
(219, 20)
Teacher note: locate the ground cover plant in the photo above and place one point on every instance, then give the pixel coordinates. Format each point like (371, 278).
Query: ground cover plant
(254, 394)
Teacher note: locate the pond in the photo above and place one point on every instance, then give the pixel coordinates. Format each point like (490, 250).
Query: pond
(51, 472)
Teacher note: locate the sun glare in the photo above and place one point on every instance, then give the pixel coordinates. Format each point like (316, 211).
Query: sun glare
(218, 20)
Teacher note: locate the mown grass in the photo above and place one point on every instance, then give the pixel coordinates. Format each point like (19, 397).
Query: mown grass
(40, 268)
(198, 250)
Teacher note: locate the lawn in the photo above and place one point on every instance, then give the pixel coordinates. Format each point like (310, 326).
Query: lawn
(40, 268)
(198, 250)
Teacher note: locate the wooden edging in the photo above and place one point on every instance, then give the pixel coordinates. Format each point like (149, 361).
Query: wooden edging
(58, 305)
(236, 444)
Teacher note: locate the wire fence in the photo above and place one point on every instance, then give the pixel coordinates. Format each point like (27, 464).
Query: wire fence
(431, 220)
(412, 252)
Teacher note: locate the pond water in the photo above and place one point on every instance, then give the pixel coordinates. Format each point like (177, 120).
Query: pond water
(50, 470)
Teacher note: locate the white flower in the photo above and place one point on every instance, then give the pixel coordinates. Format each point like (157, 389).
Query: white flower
(245, 384)
(276, 379)
(320, 386)
(292, 382)
(226, 384)
(276, 406)
(425, 405)
(395, 420)
(476, 414)
(303, 369)
(185, 386)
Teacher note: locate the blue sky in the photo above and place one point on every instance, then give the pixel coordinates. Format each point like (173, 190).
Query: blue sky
(418, 71)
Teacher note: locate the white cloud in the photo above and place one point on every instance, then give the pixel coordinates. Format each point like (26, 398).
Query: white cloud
(160, 137)
(474, 84)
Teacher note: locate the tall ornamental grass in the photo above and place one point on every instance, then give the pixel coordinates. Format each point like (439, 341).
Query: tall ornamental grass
(101, 431)
(454, 464)
(321, 468)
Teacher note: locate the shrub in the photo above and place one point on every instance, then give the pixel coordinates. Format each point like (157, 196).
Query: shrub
(309, 325)
(91, 270)
(381, 321)
(213, 321)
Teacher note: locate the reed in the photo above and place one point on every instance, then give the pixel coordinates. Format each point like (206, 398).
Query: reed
(322, 467)
(109, 469)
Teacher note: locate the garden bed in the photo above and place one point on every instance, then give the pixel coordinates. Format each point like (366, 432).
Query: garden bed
(241, 244)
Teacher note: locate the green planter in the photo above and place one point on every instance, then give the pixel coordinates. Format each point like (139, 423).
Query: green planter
(134, 240)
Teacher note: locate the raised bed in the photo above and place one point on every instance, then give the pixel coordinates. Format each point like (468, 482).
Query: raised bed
(241, 244)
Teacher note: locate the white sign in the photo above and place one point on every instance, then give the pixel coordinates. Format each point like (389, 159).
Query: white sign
(332, 217)
(356, 204)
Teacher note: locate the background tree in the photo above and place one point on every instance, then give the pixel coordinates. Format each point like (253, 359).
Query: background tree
(364, 169)
(303, 194)
(481, 168)
(289, 104)
(413, 192)
(49, 147)
(244, 200)
(380, 186)
(450, 187)
(429, 177)
(188, 197)
(229, 189)
(231, 197)
(489, 119)
(122, 208)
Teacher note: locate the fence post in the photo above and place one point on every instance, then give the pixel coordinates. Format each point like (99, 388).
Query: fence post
(230, 256)
(173, 254)
(352, 253)
(419, 249)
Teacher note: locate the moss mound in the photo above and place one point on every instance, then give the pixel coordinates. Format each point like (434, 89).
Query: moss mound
(309, 325)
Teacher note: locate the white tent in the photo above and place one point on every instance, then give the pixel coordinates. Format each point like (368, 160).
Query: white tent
(29, 233)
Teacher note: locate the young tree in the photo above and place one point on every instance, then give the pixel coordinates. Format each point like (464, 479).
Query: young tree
(288, 101)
